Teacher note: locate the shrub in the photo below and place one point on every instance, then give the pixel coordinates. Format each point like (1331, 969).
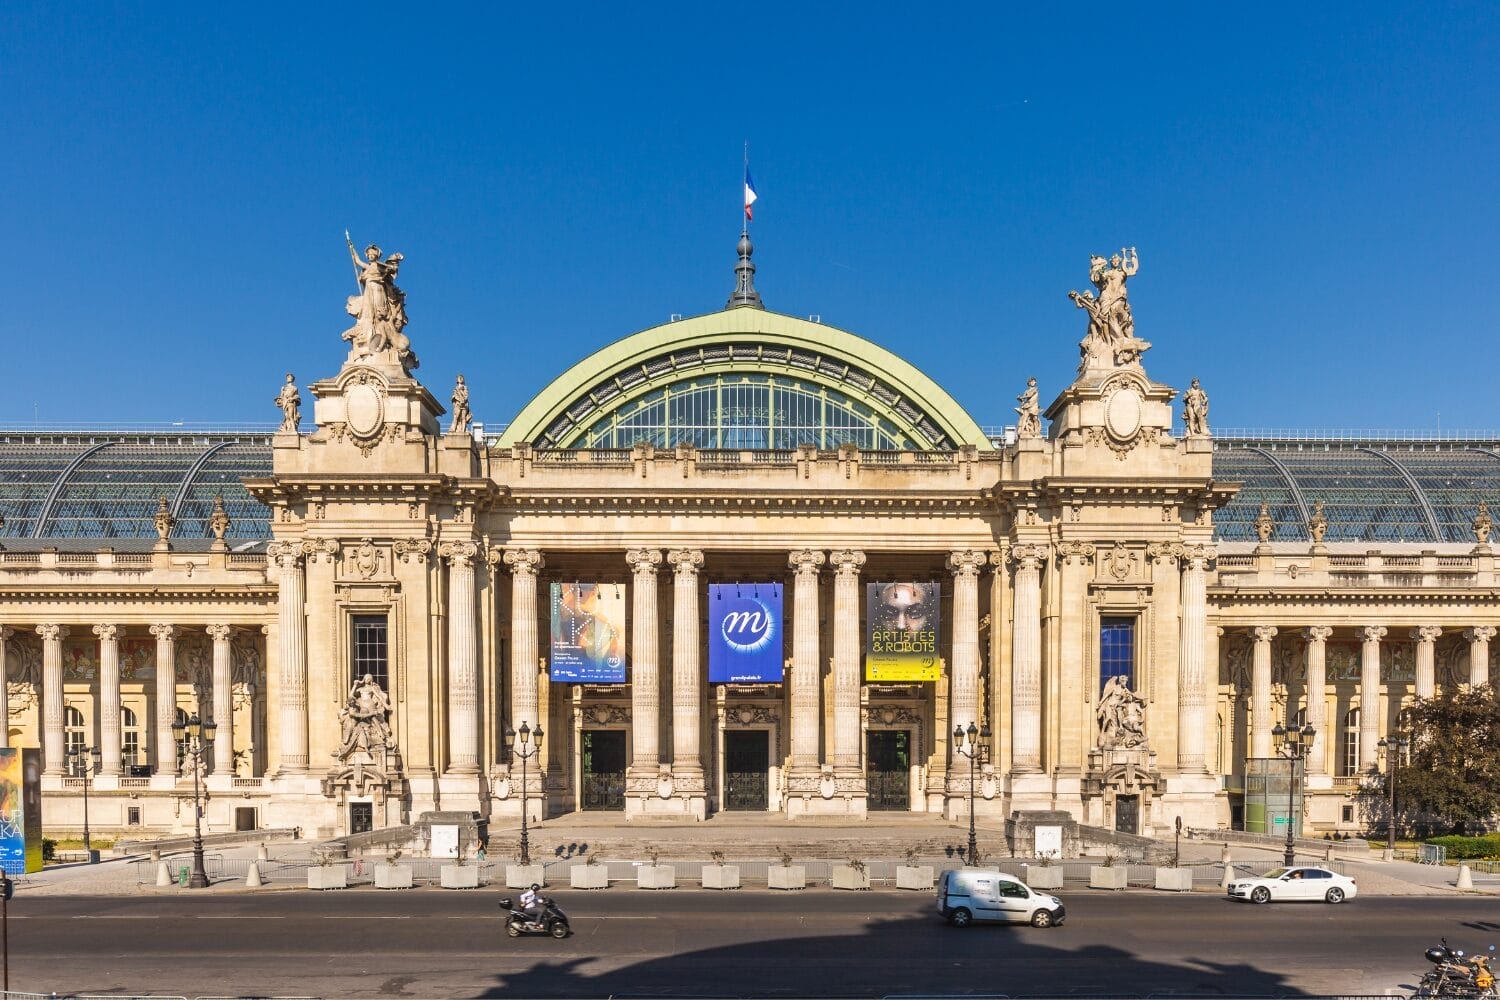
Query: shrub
(49, 849)
(1469, 848)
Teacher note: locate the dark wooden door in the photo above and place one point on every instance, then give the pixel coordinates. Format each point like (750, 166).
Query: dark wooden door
(604, 769)
(1128, 813)
(888, 769)
(747, 765)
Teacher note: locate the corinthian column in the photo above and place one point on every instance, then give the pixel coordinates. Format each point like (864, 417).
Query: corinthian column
(1369, 695)
(1026, 659)
(524, 703)
(109, 698)
(463, 658)
(52, 697)
(1192, 673)
(166, 696)
(1479, 653)
(963, 690)
(846, 650)
(1317, 695)
(645, 669)
(1426, 637)
(1260, 692)
(223, 700)
(805, 565)
(5, 634)
(687, 684)
(291, 625)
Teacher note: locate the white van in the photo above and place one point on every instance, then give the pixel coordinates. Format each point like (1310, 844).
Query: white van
(968, 894)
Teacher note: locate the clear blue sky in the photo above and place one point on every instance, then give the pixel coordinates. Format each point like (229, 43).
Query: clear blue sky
(1312, 189)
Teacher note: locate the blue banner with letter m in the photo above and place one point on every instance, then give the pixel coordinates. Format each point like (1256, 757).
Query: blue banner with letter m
(744, 633)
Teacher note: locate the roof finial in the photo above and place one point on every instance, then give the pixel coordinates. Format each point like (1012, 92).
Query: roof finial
(744, 276)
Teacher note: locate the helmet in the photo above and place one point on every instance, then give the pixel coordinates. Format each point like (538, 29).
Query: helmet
(1436, 955)
(535, 887)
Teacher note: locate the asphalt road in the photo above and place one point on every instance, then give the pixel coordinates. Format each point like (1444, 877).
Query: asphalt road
(432, 943)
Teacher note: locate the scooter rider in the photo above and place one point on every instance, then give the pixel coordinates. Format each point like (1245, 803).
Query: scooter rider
(531, 902)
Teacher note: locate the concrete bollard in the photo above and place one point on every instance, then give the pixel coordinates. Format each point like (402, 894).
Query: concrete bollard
(1465, 878)
(252, 878)
(155, 855)
(261, 854)
(1228, 868)
(163, 876)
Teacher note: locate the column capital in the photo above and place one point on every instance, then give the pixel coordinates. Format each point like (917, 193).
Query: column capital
(1197, 556)
(1028, 555)
(966, 563)
(107, 633)
(1164, 552)
(806, 562)
(1427, 633)
(1373, 633)
(458, 553)
(409, 549)
(6, 632)
(524, 562)
(53, 632)
(328, 548)
(643, 562)
(285, 554)
(1263, 633)
(846, 562)
(1317, 633)
(219, 632)
(1067, 552)
(165, 631)
(1480, 633)
(685, 562)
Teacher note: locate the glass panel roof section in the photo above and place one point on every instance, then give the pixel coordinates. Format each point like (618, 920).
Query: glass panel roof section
(114, 492)
(1454, 482)
(222, 474)
(1364, 499)
(1264, 483)
(27, 472)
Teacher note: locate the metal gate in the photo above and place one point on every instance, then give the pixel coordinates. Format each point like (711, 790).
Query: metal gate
(603, 769)
(747, 763)
(888, 769)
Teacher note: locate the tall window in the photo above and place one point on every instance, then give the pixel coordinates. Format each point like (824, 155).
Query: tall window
(1349, 758)
(371, 655)
(76, 738)
(1116, 650)
(182, 744)
(130, 743)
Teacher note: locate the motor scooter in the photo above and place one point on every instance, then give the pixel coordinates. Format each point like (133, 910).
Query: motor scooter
(551, 921)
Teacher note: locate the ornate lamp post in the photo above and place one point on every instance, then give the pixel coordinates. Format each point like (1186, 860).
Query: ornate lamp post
(1392, 746)
(1294, 744)
(86, 759)
(199, 736)
(970, 743)
(525, 750)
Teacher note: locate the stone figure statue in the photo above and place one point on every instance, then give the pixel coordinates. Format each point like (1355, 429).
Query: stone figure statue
(163, 521)
(290, 402)
(1317, 525)
(1482, 524)
(461, 413)
(1029, 421)
(1265, 527)
(1121, 716)
(363, 719)
(1111, 341)
(218, 519)
(1195, 410)
(379, 310)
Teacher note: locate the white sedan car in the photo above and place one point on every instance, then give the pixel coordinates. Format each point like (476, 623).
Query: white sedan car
(1310, 883)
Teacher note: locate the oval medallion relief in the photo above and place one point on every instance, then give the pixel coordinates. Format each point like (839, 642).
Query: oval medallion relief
(363, 408)
(1122, 414)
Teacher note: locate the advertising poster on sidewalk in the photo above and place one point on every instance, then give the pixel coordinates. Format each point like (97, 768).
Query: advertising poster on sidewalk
(588, 633)
(901, 638)
(20, 810)
(744, 633)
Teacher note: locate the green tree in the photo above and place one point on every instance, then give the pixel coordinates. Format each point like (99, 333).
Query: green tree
(1452, 783)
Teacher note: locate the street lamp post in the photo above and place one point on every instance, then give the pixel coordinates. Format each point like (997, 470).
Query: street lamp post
(970, 743)
(1393, 746)
(525, 750)
(1294, 744)
(88, 759)
(199, 736)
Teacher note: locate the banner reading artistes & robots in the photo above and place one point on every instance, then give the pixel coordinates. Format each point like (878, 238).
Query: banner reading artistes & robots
(901, 638)
(588, 633)
(744, 633)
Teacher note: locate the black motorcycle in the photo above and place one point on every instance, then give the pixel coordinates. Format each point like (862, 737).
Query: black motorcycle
(551, 921)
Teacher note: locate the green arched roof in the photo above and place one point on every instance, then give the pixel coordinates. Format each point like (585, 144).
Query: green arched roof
(744, 340)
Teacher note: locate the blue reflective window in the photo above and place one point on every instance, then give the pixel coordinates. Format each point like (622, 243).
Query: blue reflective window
(1116, 650)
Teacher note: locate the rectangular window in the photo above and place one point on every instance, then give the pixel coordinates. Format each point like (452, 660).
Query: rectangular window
(1116, 650)
(132, 815)
(1350, 757)
(370, 650)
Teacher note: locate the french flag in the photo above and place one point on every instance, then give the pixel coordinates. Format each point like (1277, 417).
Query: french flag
(750, 194)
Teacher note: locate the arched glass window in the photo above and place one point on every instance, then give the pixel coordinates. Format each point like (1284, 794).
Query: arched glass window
(75, 738)
(130, 738)
(1349, 756)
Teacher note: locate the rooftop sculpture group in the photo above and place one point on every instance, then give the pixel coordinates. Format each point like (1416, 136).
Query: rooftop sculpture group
(1111, 341)
(379, 310)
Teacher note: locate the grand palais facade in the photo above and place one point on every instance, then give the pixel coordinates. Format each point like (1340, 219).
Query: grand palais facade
(369, 600)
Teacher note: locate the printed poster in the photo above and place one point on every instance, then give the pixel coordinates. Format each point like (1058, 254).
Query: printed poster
(901, 637)
(745, 628)
(588, 633)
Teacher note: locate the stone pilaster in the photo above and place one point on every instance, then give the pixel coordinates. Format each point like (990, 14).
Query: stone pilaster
(53, 742)
(1260, 692)
(645, 672)
(846, 652)
(805, 701)
(291, 626)
(1317, 695)
(1369, 695)
(525, 705)
(223, 703)
(109, 699)
(963, 692)
(1192, 669)
(463, 658)
(1026, 659)
(5, 633)
(166, 696)
(1479, 653)
(1426, 638)
(687, 682)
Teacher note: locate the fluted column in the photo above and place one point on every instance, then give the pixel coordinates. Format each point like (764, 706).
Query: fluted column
(1192, 671)
(291, 626)
(109, 698)
(963, 688)
(223, 681)
(645, 668)
(1317, 695)
(524, 703)
(1426, 637)
(1479, 653)
(1026, 659)
(5, 633)
(1260, 692)
(805, 565)
(166, 696)
(463, 658)
(1369, 695)
(687, 684)
(846, 653)
(53, 742)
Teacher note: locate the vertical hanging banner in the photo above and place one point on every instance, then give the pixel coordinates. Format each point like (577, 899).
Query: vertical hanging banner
(588, 633)
(744, 633)
(20, 810)
(901, 638)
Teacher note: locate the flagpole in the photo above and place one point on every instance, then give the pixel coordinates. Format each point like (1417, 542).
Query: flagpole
(744, 215)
